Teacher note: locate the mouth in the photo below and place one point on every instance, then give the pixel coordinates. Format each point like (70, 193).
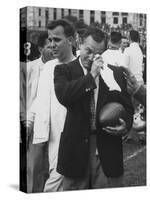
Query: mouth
(55, 52)
(88, 63)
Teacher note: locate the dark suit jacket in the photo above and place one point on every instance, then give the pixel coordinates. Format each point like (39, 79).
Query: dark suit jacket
(73, 90)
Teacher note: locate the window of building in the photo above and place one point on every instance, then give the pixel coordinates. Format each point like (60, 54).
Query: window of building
(39, 11)
(92, 13)
(46, 14)
(62, 13)
(46, 17)
(124, 14)
(115, 13)
(39, 23)
(92, 16)
(141, 15)
(69, 12)
(91, 20)
(103, 20)
(103, 12)
(115, 20)
(80, 14)
(55, 13)
(124, 20)
(141, 21)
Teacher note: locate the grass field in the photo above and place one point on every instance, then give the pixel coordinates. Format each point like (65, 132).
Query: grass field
(135, 164)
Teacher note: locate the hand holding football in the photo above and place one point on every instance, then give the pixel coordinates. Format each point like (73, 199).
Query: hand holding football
(110, 114)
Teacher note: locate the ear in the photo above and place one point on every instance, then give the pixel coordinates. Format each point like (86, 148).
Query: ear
(71, 40)
(40, 49)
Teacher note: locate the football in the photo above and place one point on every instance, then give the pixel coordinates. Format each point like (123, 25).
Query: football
(110, 114)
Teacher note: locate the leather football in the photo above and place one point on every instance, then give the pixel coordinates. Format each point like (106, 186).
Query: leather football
(110, 114)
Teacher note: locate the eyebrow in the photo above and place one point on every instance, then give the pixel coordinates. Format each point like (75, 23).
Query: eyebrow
(54, 38)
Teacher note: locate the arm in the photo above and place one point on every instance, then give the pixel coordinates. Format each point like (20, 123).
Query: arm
(140, 94)
(70, 91)
(134, 88)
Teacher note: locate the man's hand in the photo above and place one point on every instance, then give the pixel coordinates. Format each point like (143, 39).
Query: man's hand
(132, 83)
(118, 130)
(97, 65)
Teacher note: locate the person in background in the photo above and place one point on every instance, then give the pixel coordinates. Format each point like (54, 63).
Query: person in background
(124, 43)
(133, 60)
(134, 56)
(112, 55)
(36, 153)
(137, 90)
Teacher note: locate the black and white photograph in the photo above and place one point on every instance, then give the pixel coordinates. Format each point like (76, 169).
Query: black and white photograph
(82, 99)
(74, 100)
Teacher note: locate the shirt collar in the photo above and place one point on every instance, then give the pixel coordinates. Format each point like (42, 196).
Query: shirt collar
(134, 44)
(84, 69)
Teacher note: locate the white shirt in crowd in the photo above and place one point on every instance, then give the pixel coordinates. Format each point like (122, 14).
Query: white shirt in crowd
(134, 60)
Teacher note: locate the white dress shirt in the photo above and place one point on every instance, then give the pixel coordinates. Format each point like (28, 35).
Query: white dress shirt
(134, 60)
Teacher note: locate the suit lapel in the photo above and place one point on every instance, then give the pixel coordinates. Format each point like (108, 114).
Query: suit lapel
(102, 93)
(77, 73)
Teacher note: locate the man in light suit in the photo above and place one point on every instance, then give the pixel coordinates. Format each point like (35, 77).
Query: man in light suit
(49, 114)
(77, 85)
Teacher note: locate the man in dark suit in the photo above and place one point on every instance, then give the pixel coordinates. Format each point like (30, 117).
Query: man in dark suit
(81, 89)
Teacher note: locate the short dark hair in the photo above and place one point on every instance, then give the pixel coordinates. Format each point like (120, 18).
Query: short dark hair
(115, 37)
(96, 33)
(42, 38)
(134, 35)
(69, 29)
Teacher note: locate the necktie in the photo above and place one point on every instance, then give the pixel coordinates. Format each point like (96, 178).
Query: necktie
(93, 112)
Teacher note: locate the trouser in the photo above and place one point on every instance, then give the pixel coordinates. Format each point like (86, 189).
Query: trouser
(55, 181)
(37, 167)
(94, 177)
(34, 166)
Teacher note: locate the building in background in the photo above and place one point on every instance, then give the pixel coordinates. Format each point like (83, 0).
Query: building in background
(38, 17)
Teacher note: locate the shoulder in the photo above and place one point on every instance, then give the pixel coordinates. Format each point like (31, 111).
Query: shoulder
(68, 66)
(33, 65)
(49, 66)
(106, 52)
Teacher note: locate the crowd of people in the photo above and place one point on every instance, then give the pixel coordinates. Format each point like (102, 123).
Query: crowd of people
(63, 145)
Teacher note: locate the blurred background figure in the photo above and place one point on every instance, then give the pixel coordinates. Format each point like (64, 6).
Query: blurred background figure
(36, 153)
(137, 91)
(134, 56)
(124, 43)
(112, 55)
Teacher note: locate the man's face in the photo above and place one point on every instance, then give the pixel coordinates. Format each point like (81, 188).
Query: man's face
(59, 42)
(89, 49)
(124, 43)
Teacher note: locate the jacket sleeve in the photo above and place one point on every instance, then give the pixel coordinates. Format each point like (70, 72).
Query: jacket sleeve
(140, 94)
(69, 91)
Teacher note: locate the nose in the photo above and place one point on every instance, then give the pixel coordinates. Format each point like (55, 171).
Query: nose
(91, 56)
(53, 44)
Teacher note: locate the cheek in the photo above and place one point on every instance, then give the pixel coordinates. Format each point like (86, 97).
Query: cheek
(83, 55)
(61, 45)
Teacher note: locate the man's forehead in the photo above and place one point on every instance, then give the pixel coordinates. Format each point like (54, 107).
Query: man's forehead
(89, 42)
(57, 32)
